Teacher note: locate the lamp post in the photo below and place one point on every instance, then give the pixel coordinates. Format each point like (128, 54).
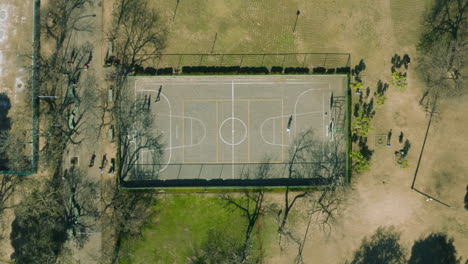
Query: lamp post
(297, 17)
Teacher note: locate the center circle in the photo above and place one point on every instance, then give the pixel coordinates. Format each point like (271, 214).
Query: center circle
(233, 131)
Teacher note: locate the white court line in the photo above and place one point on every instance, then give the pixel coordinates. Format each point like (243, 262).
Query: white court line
(191, 118)
(232, 126)
(170, 126)
(232, 82)
(282, 116)
(323, 120)
(297, 101)
(274, 131)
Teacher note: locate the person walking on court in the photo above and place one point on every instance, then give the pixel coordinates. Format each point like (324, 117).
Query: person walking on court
(288, 129)
(389, 138)
(159, 94)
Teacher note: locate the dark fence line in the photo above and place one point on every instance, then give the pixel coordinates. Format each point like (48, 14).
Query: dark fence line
(233, 70)
(277, 182)
(307, 60)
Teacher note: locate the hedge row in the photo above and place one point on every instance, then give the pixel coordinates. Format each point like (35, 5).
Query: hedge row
(224, 69)
(238, 70)
(152, 71)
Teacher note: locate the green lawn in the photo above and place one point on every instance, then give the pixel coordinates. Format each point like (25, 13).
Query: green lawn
(181, 223)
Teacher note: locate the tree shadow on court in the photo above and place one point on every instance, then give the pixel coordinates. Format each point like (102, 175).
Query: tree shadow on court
(382, 247)
(434, 249)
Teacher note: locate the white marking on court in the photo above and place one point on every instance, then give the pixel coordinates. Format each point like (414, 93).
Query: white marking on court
(233, 143)
(190, 118)
(297, 101)
(170, 129)
(283, 116)
(175, 84)
(232, 93)
(323, 120)
(274, 131)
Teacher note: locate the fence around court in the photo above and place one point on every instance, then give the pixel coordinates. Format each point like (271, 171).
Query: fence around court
(220, 176)
(309, 60)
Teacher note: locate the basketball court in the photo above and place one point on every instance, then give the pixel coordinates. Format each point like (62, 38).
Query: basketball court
(216, 127)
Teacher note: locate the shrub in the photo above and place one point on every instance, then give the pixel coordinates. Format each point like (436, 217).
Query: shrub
(359, 162)
(296, 70)
(380, 99)
(276, 70)
(356, 86)
(343, 70)
(331, 70)
(319, 70)
(399, 80)
(165, 71)
(224, 70)
(150, 71)
(254, 70)
(361, 126)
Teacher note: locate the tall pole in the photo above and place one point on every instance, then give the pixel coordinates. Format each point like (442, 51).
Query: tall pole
(214, 42)
(175, 10)
(297, 17)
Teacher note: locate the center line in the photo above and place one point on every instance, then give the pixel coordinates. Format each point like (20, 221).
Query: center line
(232, 94)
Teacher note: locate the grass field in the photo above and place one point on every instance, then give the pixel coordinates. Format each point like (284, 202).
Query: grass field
(210, 26)
(182, 224)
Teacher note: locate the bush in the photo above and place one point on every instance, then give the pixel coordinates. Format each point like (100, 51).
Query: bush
(359, 162)
(399, 80)
(296, 70)
(139, 69)
(165, 71)
(276, 70)
(331, 71)
(319, 70)
(150, 71)
(343, 70)
(210, 69)
(254, 70)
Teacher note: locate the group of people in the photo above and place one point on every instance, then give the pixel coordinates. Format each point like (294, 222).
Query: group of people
(103, 163)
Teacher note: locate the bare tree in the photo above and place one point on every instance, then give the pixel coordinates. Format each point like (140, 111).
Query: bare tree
(138, 34)
(251, 206)
(325, 161)
(443, 48)
(136, 135)
(51, 214)
(8, 184)
(125, 212)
